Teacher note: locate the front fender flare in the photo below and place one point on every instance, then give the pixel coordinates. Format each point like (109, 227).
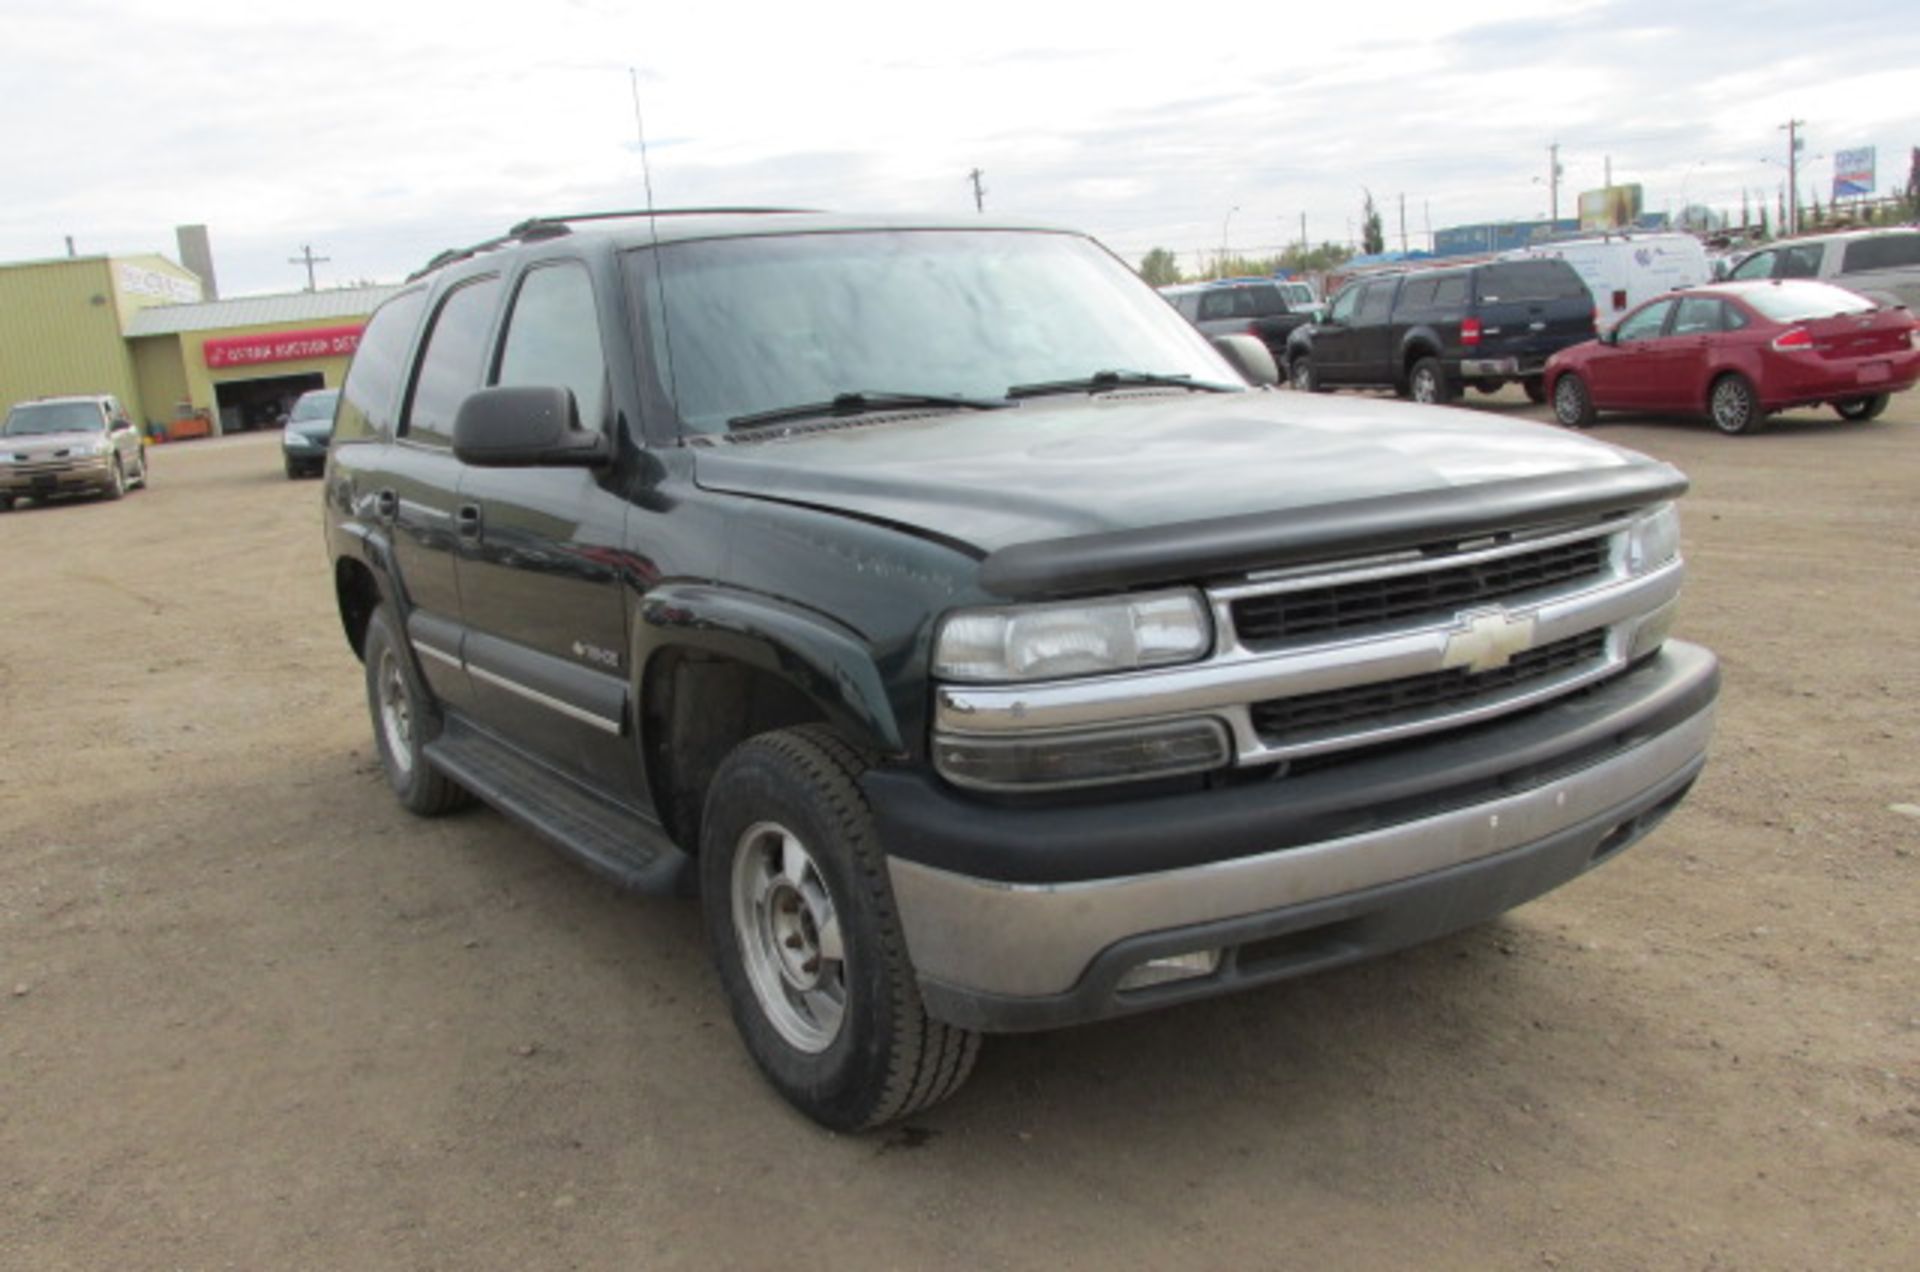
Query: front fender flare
(827, 661)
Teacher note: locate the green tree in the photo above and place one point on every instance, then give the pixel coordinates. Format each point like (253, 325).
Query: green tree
(1160, 268)
(1373, 237)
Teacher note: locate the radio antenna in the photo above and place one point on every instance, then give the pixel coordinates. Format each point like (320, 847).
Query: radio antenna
(653, 229)
(640, 131)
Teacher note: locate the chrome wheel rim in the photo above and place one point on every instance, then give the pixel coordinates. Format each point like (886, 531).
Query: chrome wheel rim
(789, 935)
(119, 477)
(1566, 401)
(1423, 387)
(396, 712)
(1730, 406)
(1302, 377)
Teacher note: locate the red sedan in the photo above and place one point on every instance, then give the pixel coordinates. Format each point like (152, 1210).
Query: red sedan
(1736, 352)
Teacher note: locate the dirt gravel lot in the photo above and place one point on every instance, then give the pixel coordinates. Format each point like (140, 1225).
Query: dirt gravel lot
(254, 1015)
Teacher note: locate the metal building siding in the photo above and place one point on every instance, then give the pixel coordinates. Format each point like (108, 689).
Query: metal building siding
(161, 369)
(56, 338)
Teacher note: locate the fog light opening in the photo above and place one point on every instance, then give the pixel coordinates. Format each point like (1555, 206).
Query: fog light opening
(1174, 967)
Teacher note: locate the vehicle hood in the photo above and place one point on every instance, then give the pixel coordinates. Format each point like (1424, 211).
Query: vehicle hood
(44, 444)
(1118, 469)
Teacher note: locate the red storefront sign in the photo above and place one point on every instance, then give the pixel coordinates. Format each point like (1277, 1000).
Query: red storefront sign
(282, 346)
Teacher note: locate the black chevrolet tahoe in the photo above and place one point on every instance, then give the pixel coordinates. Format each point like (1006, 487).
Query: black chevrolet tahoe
(975, 638)
(1429, 333)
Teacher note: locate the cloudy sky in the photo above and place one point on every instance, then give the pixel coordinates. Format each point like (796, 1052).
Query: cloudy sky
(382, 132)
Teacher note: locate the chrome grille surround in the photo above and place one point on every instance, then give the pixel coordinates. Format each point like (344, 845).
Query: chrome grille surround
(1237, 675)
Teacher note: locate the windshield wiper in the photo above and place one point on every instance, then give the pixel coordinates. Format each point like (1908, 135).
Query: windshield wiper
(860, 402)
(1104, 381)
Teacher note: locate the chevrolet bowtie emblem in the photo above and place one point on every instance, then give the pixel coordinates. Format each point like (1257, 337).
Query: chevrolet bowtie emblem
(1486, 640)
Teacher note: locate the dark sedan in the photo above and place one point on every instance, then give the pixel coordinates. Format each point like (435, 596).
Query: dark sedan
(303, 440)
(1737, 352)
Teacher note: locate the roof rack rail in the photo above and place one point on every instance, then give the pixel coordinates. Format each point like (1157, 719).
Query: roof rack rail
(537, 228)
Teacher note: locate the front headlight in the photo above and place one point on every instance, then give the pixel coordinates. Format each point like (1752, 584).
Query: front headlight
(1654, 539)
(92, 446)
(294, 440)
(1073, 638)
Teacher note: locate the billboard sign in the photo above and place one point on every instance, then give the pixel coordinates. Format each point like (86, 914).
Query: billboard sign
(282, 346)
(1610, 207)
(1853, 173)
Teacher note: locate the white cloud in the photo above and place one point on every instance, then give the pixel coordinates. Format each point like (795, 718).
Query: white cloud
(380, 132)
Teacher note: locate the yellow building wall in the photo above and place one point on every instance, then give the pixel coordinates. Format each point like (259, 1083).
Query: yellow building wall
(140, 282)
(162, 375)
(60, 333)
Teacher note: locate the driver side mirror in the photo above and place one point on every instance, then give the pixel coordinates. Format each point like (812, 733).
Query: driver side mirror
(1250, 357)
(521, 426)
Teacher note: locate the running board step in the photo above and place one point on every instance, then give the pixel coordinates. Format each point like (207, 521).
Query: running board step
(609, 838)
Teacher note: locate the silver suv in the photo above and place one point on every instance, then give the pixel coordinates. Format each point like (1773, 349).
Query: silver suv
(69, 445)
(1879, 264)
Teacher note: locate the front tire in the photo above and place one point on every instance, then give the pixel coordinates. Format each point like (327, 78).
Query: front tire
(1733, 405)
(803, 929)
(1303, 375)
(1536, 389)
(1860, 410)
(1427, 383)
(140, 473)
(404, 721)
(1572, 404)
(116, 480)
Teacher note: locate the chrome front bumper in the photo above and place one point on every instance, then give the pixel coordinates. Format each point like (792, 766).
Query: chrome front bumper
(1010, 955)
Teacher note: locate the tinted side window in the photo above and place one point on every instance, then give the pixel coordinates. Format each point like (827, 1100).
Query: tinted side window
(1188, 305)
(450, 368)
(1450, 292)
(1343, 305)
(1267, 301)
(1216, 304)
(553, 338)
(1644, 324)
(373, 380)
(1419, 293)
(1801, 262)
(1375, 302)
(1886, 251)
(1759, 265)
(1531, 280)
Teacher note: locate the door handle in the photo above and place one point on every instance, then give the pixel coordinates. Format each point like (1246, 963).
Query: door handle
(386, 505)
(467, 521)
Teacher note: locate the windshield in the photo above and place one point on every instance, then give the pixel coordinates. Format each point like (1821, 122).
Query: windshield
(314, 406)
(1793, 302)
(53, 417)
(758, 324)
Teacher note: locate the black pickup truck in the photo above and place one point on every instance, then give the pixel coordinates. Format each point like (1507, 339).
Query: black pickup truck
(1427, 334)
(980, 643)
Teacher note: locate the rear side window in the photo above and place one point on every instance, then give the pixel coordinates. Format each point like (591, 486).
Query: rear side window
(1884, 251)
(451, 367)
(1698, 316)
(1418, 293)
(553, 338)
(373, 381)
(1531, 281)
(1216, 304)
(1759, 265)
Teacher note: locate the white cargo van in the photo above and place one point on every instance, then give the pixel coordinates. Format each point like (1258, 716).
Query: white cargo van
(1621, 270)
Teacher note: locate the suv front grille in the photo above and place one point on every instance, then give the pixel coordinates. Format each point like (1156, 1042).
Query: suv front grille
(1340, 607)
(1283, 720)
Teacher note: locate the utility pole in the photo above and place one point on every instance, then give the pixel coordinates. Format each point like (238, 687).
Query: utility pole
(979, 191)
(308, 259)
(1403, 224)
(1794, 142)
(1303, 236)
(1553, 181)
